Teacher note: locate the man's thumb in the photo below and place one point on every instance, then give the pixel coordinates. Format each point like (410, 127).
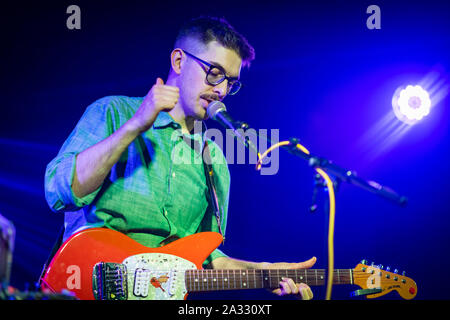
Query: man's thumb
(309, 263)
(159, 81)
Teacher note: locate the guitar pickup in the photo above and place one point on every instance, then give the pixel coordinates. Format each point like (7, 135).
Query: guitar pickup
(364, 292)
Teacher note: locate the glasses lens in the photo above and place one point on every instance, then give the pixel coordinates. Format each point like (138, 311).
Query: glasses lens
(215, 76)
(234, 87)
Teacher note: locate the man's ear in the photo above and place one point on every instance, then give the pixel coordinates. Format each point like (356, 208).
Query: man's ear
(177, 60)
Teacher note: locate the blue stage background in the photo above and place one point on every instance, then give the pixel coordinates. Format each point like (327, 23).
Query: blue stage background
(320, 75)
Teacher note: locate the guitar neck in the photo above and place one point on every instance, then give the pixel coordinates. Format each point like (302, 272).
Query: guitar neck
(213, 280)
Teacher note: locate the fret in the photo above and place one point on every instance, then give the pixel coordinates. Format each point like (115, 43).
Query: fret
(300, 278)
(197, 280)
(316, 275)
(240, 278)
(202, 280)
(216, 279)
(223, 285)
(190, 280)
(338, 276)
(206, 280)
(262, 278)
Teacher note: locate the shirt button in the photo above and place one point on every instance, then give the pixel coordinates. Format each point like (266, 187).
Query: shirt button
(173, 174)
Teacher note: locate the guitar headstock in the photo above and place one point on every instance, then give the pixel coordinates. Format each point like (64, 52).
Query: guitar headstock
(373, 277)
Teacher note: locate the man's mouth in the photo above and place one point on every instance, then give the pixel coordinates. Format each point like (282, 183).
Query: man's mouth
(209, 98)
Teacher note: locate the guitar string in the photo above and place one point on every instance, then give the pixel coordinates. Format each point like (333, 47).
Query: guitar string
(268, 271)
(259, 276)
(296, 276)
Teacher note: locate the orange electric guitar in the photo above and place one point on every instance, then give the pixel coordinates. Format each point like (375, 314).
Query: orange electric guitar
(103, 264)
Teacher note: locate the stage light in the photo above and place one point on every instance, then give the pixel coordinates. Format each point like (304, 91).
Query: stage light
(411, 104)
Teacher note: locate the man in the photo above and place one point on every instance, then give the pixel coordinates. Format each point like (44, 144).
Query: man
(117, 168)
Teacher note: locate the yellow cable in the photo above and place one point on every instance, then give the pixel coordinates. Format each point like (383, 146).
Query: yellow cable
(330, 231)
(332, 210)
(261, 157)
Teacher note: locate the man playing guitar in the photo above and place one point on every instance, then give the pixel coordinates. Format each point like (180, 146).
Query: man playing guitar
(117, 170)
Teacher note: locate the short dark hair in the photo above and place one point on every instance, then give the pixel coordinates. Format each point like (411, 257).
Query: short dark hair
(207, 29)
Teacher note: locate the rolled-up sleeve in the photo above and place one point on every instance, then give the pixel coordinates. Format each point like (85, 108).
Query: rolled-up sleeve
(94, 126)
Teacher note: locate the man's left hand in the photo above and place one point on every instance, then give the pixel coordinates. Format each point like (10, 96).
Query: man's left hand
(287, 285)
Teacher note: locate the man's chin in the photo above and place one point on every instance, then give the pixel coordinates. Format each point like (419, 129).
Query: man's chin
(202, 114)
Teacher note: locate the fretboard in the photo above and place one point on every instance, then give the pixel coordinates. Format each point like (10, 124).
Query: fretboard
(212, 280)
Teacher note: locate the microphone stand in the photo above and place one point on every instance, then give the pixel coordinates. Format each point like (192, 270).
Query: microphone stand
(346, 175)
(340, 174)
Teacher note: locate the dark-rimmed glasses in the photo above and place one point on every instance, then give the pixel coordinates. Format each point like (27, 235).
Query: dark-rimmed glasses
(216, 75)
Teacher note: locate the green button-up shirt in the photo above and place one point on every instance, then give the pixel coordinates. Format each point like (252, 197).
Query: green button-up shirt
(156, 191)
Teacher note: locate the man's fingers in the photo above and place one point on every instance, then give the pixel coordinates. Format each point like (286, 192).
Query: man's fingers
(288, 286)
(160, 86)
(292, 286)
(278, 292)
(284, 289)
(305, 291)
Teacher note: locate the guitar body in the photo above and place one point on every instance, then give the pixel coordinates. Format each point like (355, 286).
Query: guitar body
(77, 267)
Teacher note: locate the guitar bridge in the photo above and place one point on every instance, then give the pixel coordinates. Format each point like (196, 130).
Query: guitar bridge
(109, 281)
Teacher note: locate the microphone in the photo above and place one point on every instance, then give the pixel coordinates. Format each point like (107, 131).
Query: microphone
(217, 111)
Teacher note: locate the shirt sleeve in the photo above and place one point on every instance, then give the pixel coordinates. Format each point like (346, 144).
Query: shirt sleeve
(95, 125)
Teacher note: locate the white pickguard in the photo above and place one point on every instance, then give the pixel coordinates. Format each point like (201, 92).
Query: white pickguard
(156, 276)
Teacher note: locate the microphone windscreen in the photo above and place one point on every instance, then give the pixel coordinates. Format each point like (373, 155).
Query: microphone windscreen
(215, 107)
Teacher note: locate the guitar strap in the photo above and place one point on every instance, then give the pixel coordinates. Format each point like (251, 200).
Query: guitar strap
(209, 173)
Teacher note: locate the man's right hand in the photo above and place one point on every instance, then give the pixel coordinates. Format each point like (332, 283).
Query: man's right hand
(161, 97)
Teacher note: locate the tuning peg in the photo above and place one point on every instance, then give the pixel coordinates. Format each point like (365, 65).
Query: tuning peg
(403, 273)
(388, 268)
(364, 261)
(380, 266)
(395, 270)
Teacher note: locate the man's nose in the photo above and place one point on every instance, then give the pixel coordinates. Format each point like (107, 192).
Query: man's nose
(221, 89)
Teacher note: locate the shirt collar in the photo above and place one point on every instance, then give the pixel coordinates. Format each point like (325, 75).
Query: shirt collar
(164, 120)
